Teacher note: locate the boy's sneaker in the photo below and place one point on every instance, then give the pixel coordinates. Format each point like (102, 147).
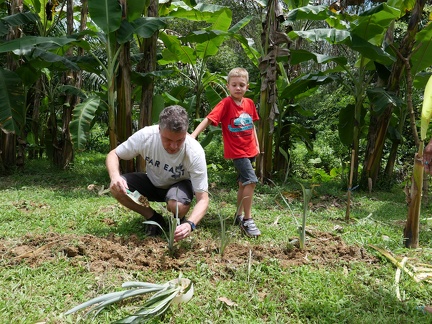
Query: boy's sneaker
(154, 230)
(238, 219)
(249, 228)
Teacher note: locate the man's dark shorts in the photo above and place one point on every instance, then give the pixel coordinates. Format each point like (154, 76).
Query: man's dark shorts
(140, 182)
(245, 170)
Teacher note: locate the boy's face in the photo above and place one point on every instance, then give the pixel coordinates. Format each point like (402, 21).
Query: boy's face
(237, 87)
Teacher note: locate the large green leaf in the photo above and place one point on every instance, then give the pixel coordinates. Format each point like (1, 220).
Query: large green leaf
(299, 56)
(381, 99)
(80, 125)
(333, 36)
(16, 20)
(372, 24)
(293, 4)
(12, 102)
(135, 9)
(422, 57)
(219, 16)
(242, 23)
(175, 52)
(375, 53)
(209, 42)
(29, 74)
(309, 13)
(106, 14)
(201, 36)
(23, 45)
(305, 83)
(346, 124)
(248, 46)
(144, 27)
(61, 62)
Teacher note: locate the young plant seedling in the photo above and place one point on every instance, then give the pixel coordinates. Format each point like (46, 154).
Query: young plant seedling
(173, 222)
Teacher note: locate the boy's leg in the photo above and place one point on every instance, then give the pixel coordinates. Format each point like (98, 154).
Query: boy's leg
(246, 193)
(247, 182)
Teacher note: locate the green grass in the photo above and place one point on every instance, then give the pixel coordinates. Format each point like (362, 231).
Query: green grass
(41, 200)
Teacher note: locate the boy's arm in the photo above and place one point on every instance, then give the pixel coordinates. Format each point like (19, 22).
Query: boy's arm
(203, 125)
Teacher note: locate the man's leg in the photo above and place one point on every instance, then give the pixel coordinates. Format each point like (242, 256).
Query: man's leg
(140, 182)
(179, 198)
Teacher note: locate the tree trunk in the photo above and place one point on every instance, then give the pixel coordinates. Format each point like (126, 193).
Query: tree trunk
(8, 142)
(65, 152)
(268, 98)
(147, 64)
(36, 151)
(377, 134)
(124, 98)
(411, 230)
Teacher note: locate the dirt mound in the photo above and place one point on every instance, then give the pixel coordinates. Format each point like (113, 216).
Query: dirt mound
(99, 254)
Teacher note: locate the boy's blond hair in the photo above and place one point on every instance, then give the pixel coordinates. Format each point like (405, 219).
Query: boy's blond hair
(238, 72)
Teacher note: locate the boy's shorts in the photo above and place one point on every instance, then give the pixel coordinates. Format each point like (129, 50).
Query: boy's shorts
(245, 170)
(140, 182)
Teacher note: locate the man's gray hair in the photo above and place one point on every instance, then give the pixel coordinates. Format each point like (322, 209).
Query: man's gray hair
(174, 118)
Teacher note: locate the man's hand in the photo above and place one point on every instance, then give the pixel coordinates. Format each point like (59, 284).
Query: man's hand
(118, 184)
(427, 157)
(182, 231)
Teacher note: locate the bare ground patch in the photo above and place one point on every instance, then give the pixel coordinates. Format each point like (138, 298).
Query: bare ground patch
(101, 253)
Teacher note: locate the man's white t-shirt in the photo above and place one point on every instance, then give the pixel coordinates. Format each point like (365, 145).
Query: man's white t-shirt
(164, 169)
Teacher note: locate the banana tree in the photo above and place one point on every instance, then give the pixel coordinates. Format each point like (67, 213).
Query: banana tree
(113, 30)
(145, 27)
(8, 140)
(36, 54)
(196, 48)
(275, 44)
(363, 35)
(411, 231)
(409, 44)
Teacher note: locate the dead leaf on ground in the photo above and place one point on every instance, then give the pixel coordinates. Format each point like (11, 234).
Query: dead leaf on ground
(227, 301)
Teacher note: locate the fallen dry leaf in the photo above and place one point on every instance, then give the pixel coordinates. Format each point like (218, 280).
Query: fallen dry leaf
(227, 301)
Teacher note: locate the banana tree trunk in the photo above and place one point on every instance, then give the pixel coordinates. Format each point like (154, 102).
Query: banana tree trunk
(124, 100)
(268, 99)
(148, 64)
(124, 97)
(64, 154)
(8, 141)
(411, 231)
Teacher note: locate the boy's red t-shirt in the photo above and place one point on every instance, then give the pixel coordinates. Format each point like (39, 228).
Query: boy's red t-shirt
(238, 130)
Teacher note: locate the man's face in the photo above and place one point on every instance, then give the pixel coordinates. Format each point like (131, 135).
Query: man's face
(237, 87)
(172, 142)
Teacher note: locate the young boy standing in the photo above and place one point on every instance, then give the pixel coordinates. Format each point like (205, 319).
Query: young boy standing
(237, 115)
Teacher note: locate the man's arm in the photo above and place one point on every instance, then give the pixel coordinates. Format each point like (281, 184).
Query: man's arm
(197, 214)
(427, 157)
(203, 125)
(118, 183)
